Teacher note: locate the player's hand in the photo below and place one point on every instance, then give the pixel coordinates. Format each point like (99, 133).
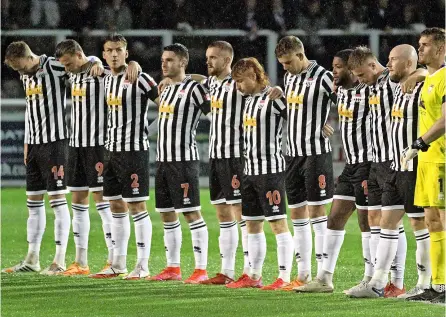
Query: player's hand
(275, 92)
(408, 154)
(25, 153)
(408, 85)
(97, 69)
(163, 84)
(132, 72)
(327, 130)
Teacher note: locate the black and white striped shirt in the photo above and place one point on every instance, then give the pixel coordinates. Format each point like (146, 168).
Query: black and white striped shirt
(227, 103)
(127, 111)
(262, 134)
(380, 103)
(354, 123)
(45, 115)
(404, 126)
(308, 104)
(180, 109)
(88, 111)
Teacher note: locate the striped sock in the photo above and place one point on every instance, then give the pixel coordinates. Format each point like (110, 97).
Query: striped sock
(61, 228)
(386, 251)
(303, 246)
(228, 242)
(173, 239)
(143, 236)
(104, 211)
(244, 231)
(35, 228)
(319, 228)
(81, 230)
(399, 262)
(121, 234)
(200, 241)
(422, 257)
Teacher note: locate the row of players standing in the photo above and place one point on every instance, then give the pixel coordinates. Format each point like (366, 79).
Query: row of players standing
(309, 175)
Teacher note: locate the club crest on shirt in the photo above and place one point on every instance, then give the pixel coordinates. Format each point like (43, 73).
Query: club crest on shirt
(227, 87)
(429, 90)
(261, 104)
(309, 82)
(126, 84)
(181, 94)
(40, 73)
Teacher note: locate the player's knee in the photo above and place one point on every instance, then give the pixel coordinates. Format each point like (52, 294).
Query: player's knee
(279, 226)
(192, 216)
(136, 207)
(254, 226)
(417, 223)
(118, 205)
(80, 197)
(53, 197)
(374, 217)
(335, 223)
(98, 197)
(169, 216)
(224, 213)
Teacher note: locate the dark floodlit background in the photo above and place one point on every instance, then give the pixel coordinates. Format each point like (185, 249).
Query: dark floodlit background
(252, 27)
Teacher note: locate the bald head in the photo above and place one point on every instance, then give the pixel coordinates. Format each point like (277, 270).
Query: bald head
(402, 62)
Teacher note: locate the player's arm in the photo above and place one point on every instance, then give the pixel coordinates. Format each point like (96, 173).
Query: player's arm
(275, 92)
(279, 106)
(133, 71)
(148, 85)
(25, 152)
(437, 130)
(330, 89)
(202, 100)
(416, 77)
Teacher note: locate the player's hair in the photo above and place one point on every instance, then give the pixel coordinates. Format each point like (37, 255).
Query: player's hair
(179, 49)
(246, 64)
(344, 55)
(17, 50)
(289, 44)
(437, 34)
(115, 37)
(359, 56)
(224, 46)
(67, 47)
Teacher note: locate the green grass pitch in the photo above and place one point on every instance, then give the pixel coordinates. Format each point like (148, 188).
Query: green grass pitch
(35, 295)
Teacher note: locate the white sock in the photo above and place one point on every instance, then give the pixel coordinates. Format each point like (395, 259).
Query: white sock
(61, 228)
(399, 262)
(121, 234)
(81, 230)
(173, 239)
(143, 236)
(35, 228)
(423, 258)
(319, 228)
(244, 230)
(333, 241)
(368, 266)
(386, 251)
(303, 245)
(284, 255)
(440, 288)
(200, 241)
(106, 217)
(228, 242)
(374, 240)
(256, 253)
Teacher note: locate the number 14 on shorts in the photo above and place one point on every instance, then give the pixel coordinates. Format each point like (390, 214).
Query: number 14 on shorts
(58, 172)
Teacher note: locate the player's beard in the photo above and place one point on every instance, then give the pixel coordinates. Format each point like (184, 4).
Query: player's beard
(213, 71)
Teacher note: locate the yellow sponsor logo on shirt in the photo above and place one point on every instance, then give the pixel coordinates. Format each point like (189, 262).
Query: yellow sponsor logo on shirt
(397, 113)
(34, 91)
(299, 99)
(344, 112)
(78, 92)
(115, 103)
(166, 110)
(374, 100)
(249, 122)
(216, 104)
